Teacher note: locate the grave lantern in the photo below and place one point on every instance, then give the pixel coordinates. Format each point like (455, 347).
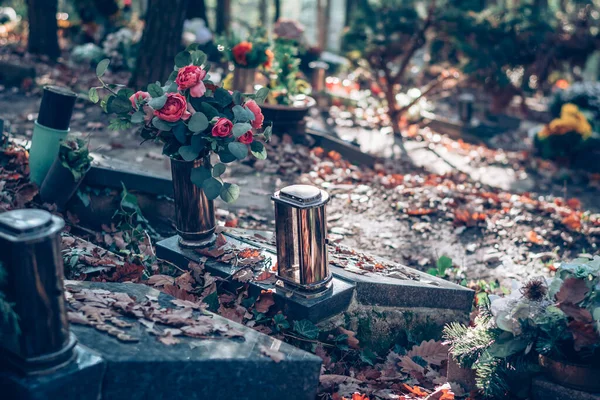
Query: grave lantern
(30, 252)
(465, 107)
(301, 233)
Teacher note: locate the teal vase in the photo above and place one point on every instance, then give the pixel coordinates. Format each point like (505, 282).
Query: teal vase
(50, 128)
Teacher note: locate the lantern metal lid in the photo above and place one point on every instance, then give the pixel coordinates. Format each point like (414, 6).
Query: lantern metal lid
(301, 196)
(19, 225)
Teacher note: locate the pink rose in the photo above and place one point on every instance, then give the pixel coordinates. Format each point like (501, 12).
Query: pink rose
(190, 77)
(258, 115)
(222, 128)
(246, 138)
(174, 109)
(137, 97)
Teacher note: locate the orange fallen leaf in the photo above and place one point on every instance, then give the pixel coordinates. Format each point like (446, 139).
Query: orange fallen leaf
(534, 238)
(573, 221)
(417, 391)
(420, 211)
(574, 203)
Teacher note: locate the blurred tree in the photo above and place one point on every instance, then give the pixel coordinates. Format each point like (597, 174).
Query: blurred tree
(223, 16)
(196, 9)
(160, 42)
(277, 10)
(43, 36)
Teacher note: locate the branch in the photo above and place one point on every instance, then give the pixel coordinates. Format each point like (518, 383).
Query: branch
(438, 82)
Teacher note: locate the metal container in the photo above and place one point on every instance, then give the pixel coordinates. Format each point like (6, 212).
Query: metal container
(30, 252)
(301, 233)
(194, 212)
(243, 79)
(465, 107)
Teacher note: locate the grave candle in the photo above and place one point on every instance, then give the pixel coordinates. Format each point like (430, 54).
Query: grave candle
(301, 232)
(30, 252)
(465, 107)
(51, 126)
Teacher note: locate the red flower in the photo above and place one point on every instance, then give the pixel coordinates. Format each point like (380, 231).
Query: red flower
(174, 109)
(267, 64)
(222, 128)
(137, 97)
(190, 77)
(240, 51)
(246, 138)
(259, 118)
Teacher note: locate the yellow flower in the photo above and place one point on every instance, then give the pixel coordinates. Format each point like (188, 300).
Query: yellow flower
(571, 120)
(303, 86)
(569, 109)
(228, 81)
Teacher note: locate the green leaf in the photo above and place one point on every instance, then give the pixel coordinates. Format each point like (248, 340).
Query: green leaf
(443, 263)
(93, 95)
(281, 322)
(239, 150)
(199, 175)
(268, 132)
(158, 102)
(225, 156)
(160, 124)
(126, 93)
(212, 302)
(222, 97)
(230, 192)
(432, 271)
(258, 150)
(261, 95)
(118, 105)
(240, 129)
(183, 59)
(219, 169)
(102, 67)
(368, 356)
(138, 117)
(237, 98)
(198, 122)
(199, 57)
(212, 188)
(242, 114)
(155, 90)
(198, 143)
(188, 153)
(180, 132)
(209, 111)
(306, 328)
(192, 47)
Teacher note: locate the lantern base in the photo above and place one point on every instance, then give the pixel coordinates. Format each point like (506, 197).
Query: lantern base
(47, 363)
(197, 244)
(312, 291)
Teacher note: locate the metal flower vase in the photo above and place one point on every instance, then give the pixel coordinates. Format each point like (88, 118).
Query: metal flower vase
(243, 79)
(194, 212)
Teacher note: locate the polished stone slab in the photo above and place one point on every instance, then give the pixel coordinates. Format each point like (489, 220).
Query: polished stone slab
(544, 389)
(214, 368)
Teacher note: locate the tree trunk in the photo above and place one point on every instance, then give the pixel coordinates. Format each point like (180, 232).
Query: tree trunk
(323, 17)
(277, 10)
(263, 9)
(196, 9)
(43, 36)
(106, 8)
(223, 16)
(160, 42)
(350, 7)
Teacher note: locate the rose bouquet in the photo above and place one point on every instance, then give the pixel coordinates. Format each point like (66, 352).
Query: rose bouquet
(193, 118)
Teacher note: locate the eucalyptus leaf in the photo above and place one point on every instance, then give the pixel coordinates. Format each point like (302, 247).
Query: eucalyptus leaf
(226, 157)
(230, 192)
(199, 175)
(258, 150)
(218, 169)
(160, 124)
(102, 67)
(237, 98)
(183, 59)
(198, 122)
(209, 111)
(118, 105)
(188, 153)
(240, 129)
(222, 97)
(138, 117)
(199, 57)
(180, 132)
(158, 102)
(198, 143)
(268, 132)
(212, 188)
(155, 90)
(261, 95)
(242, 114)
(239, 150)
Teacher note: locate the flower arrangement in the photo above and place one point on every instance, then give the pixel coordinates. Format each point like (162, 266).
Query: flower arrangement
(193, 118)
(251, 53)
(564, 137)
(558, 318)
(286, 81)
(74, 155)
